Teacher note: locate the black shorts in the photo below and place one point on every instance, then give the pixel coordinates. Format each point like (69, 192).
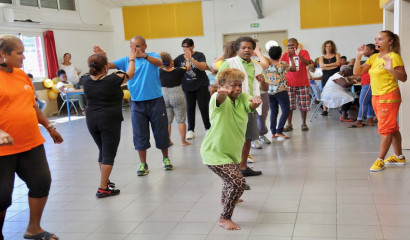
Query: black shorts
(32, 167)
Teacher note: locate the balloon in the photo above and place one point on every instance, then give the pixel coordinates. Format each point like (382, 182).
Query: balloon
(52, 95)
(285, 42)
(55, 89)
(48, 83)
(126, 94)
(56, 80)
(301, 45)
(270, 44)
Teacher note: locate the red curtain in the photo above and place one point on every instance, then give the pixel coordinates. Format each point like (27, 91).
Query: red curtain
(51, 54)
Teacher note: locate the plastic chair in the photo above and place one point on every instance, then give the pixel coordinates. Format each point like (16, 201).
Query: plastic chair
(70, 102)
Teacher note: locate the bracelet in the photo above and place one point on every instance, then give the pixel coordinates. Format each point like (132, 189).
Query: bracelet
(50, 129)
(131, 60)
(49, 125)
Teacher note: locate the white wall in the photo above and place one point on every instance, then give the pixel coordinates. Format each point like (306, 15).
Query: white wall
(235, 16)
(74, 32)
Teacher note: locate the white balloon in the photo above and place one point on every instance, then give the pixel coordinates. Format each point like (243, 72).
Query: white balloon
(270, 44)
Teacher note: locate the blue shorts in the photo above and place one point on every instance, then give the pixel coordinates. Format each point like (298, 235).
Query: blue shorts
(142, 114)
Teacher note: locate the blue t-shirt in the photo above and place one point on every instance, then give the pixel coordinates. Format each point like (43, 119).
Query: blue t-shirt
(145, 84)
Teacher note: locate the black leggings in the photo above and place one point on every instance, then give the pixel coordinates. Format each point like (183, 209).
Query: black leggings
(202, 96)
(107, 137)
(32, 167)
(233, 185)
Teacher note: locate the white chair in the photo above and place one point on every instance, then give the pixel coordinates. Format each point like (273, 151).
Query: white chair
(71, 103)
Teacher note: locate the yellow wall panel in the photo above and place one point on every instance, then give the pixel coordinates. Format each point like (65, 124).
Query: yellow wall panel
(314, 13)
(346, 12)
(162, 21)
(188, 18)
(335, 13)
(371, 12)
(136, 21)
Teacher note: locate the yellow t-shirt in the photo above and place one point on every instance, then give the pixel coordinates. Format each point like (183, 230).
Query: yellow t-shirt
(381, 80)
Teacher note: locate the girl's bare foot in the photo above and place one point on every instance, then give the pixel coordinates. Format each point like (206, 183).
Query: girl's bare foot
(282, 135)
(239, 201)
(185, 143)
(228, 224)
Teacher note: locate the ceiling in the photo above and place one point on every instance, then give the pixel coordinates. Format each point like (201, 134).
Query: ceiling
(122, 3)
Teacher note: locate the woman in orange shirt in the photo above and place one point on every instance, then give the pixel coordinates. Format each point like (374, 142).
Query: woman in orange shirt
(21, 144)
(385, 68)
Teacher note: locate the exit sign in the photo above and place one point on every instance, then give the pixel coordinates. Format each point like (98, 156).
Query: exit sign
(254, 25)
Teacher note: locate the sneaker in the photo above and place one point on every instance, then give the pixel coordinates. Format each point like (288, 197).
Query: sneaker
(102, 193)
(324, 113)
(190, 135)
(143, 169)
(110, 184)
(393, 160)
(248, 172)
(378, 165)
(264, 140)
(167, 164)
(250, 159)
(256, 144)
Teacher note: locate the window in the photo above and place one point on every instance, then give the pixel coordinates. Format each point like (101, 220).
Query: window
(53, 4)
(6, 1)
(49, 4)
(67, 5)
(34, 53)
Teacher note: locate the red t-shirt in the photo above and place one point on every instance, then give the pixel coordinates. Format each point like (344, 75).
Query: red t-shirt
(18, 117)
(365, 79)
(300, 77)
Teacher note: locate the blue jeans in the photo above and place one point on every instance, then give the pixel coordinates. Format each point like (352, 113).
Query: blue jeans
(365, 102)
(282, 99)
(41, 104)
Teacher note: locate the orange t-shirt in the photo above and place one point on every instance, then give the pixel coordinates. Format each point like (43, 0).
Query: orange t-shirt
(18, 117)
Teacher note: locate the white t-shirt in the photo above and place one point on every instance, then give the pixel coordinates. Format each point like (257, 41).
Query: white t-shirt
(71, 72)
(68, 86)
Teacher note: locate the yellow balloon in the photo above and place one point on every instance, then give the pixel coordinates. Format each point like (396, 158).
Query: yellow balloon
(55, 89)
(126, 94)
(52, 95)
(301, 45)
(285, 42)
(48, 83)
(56, 80)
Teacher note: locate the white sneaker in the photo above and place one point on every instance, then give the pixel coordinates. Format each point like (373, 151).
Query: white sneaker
(190, 135)
(256, 144)
(264, 140)
(250, 159)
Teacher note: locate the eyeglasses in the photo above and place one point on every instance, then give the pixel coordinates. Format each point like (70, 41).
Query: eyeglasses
(185, 46)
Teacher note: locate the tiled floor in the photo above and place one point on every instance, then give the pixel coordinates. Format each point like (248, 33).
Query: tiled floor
(315, 185)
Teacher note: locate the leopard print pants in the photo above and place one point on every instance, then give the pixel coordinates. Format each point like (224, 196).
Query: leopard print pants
(233, 185)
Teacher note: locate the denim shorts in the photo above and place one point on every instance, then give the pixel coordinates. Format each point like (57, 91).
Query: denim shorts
(142, 114)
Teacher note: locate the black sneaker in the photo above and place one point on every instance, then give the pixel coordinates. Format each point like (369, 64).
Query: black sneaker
(102, 193)
(324, 113)
(143, 169)
(248, 172)
(110, 184)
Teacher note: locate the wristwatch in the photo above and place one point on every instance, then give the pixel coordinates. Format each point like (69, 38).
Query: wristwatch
(146, 56)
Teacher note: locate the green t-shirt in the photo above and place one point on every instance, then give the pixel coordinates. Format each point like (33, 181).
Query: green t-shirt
(224, 141)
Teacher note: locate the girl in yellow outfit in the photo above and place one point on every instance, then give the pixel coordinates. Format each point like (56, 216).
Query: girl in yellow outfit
(385, 68)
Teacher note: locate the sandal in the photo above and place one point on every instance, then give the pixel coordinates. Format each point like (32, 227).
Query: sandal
(304, 127)
(288, 128)
(281, 135)
(346, 120)
(42, 236)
